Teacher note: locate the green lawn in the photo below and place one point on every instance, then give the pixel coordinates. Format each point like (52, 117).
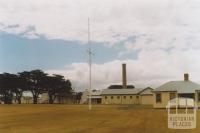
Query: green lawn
(77, 119)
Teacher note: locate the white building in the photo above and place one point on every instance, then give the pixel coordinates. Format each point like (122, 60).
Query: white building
(95, 97)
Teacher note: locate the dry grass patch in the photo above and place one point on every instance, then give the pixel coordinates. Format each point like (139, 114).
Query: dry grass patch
(77, 119)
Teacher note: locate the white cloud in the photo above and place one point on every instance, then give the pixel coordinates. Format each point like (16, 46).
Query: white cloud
(167, 33)
(150, 69)
(163, 22)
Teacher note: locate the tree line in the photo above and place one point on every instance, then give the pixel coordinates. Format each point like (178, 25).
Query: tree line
(36, 82)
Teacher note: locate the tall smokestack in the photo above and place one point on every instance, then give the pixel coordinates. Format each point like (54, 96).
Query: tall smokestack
(124, 82)
(186, 77)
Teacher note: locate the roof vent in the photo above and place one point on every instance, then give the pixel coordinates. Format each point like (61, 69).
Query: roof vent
(186, 77)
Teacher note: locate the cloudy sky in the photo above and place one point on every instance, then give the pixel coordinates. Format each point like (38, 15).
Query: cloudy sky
(159, 40)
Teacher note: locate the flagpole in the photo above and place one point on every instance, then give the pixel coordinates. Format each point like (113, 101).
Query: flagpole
(90, 65)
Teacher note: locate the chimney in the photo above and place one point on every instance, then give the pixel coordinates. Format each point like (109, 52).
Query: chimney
(186, 77)
(124, 82)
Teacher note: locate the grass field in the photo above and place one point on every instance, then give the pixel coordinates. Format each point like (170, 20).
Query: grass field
(77, 119)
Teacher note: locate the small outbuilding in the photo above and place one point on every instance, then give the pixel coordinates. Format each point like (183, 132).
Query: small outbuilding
(95, 97)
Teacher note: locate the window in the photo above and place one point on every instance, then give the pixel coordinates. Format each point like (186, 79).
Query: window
(117, 97)
(111, 97)
(106, 97)
(158, 98)
(131, 97)
(124, 97)
(172, 96)
(198, 96)
(137, 97)
(187, 95)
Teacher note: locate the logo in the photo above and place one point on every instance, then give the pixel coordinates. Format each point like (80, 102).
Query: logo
(181, 113)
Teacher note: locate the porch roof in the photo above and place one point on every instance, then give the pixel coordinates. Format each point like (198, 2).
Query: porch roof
(179, 86)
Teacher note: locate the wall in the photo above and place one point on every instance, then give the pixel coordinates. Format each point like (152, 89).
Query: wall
(84, 97)
(196, 98)
(24, 100)
(121, 99)
(165, 97)
(44, 98)
(147, 99)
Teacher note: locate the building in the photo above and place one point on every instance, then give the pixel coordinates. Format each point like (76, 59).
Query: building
(146, 96)
(24, 100)
(27, 99)
(95, 97)
(64, 98)
(127, 96)
(176, 89)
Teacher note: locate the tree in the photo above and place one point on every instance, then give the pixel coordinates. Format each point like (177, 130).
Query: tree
(8, 82)
(37, 79)
(33, 81)
(24, 81)
(78, 96)
(50, 85)
(64, 90)
(57, 86)
(17, 88)
(23, 84)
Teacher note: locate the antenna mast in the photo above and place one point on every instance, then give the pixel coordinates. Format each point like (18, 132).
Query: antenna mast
(90, 65)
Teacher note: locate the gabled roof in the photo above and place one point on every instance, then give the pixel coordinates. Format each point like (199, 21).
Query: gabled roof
(147, 91)
(179, 86)
(93, 92)
(96, 93)
(121, 91)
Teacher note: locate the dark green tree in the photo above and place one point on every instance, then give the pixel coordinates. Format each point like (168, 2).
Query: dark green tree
(65, 91)
(8, 83)
(57, 87)
(37, 79)
(17, 88)
(37, 82)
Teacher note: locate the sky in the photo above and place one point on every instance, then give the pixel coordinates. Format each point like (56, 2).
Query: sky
(159, 40)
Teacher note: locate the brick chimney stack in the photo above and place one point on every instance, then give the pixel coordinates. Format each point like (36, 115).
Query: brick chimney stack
(186, 77)
(124, 80)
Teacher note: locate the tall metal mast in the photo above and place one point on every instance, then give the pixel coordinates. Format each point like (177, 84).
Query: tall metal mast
(90, 65)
